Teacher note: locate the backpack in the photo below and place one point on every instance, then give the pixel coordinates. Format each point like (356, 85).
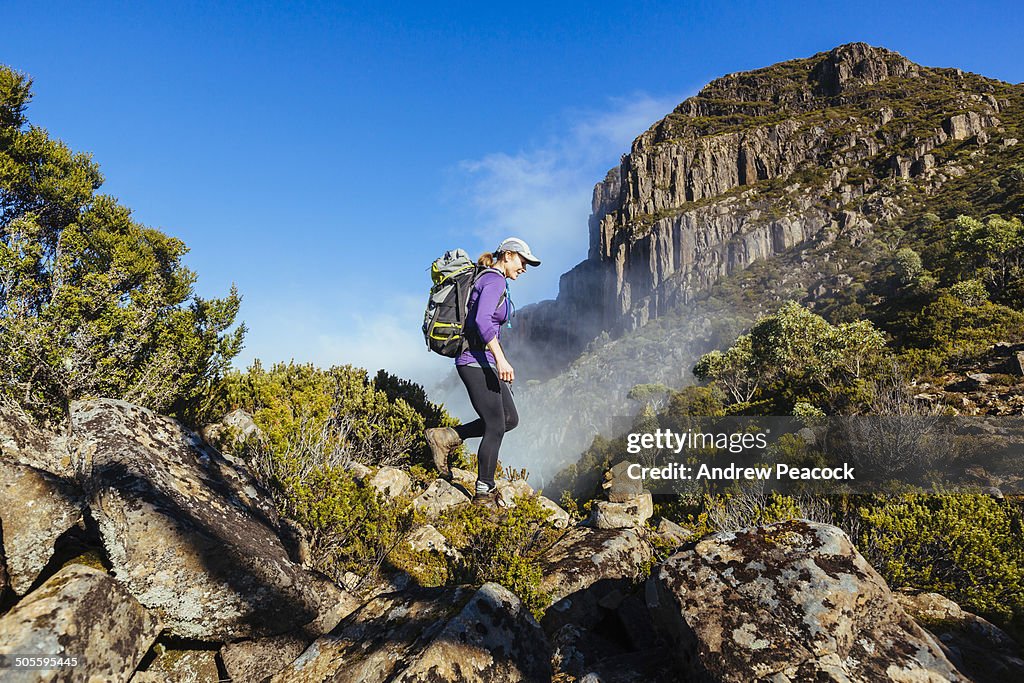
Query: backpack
(453, 275)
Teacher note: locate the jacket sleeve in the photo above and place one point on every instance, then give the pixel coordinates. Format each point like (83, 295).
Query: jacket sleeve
(488, 322)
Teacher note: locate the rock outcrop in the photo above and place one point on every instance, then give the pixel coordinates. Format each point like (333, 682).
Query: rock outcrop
(683, 210)
(430, 635)
(792, 601)
(82, 612)
(157, 534)
(763, 167)
(188, 532)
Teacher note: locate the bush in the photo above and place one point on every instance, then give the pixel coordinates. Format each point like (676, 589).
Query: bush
(970, 292)
(504, 548)
(966, 546)
(360, 421)
(351, 527)
(907, 264)
(796, 355)
(952, 330)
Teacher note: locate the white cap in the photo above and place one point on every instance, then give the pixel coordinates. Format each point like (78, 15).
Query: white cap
(520, 247)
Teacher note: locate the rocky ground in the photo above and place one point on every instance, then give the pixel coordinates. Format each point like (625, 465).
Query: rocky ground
(135, 545)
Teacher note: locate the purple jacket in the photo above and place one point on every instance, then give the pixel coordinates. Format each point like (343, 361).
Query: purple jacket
(485, 316)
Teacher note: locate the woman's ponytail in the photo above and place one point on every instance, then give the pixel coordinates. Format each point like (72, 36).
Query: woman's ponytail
(488, 259)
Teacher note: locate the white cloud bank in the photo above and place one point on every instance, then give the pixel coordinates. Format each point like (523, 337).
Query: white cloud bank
(544, 194)
(541, 194)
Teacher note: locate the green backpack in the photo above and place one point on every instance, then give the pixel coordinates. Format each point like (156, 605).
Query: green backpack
(453, 276)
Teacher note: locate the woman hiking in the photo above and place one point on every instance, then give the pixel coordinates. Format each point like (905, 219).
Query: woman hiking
(485, 370)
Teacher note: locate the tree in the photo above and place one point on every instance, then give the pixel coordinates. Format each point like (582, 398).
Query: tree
(91, 302)
(993, 247)
(907, 264)
(734, 369)
(654, 395)
(796, 355)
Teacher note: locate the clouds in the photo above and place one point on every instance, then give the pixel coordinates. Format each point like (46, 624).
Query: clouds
(543, 194)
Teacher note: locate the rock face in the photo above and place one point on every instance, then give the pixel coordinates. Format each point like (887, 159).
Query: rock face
(792, 601)
(676, 215)
(977, 647)
(188, 532)
(766, 167)
(584, 566)
(430, 635)
(81, 611)
(36, 508)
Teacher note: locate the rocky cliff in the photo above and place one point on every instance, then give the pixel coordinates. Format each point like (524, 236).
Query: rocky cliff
(766, 186)
(755, 164)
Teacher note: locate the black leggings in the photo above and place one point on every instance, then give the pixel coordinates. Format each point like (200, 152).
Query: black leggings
(492, 400)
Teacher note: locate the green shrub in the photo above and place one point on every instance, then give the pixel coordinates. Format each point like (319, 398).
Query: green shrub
(907, 264)
(338, 407)
(952, 330)
(351, 527)
(503, 547)
(968, 547)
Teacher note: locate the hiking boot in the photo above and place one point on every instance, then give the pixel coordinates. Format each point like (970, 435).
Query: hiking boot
(491, 499)
(442, 440)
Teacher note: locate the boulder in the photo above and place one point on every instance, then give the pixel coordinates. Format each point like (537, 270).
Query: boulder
(236, 427)
(391, 481)
(510, 490)
(464, 478)
(438, 497)
(430, 634)
(583, 567)
(558, 517)
(36, 508)
(792, 601)
(672, 532)
(83, 612)
(188, 532)
(619, 486)
(978, 648)
(180, 666)
(626, 515)
(426, 538)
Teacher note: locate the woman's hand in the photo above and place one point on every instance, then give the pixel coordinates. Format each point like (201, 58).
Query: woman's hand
(505, 371)
(504, 368)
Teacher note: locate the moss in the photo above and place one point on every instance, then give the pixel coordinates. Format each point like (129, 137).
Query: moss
(90, 558)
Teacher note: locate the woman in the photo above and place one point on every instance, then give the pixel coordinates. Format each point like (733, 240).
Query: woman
(485, 370)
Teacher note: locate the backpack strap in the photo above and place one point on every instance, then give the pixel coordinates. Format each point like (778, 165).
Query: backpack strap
(483, 269)
(476, 276)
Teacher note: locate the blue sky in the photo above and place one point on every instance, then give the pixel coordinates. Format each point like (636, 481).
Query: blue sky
(320, 155)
